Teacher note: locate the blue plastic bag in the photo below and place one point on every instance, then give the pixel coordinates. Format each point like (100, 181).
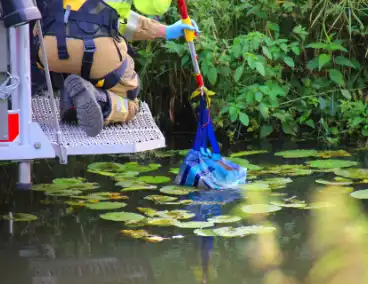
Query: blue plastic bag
(204, 169)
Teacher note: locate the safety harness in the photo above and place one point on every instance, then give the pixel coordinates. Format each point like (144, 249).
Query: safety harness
(94, 19)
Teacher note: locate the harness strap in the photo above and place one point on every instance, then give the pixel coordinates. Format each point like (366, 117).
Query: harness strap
(205, 130)
(111, 79)
(87, 61)
(61, 34)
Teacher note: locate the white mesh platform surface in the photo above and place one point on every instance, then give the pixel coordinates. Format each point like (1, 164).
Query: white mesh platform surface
(140, 134)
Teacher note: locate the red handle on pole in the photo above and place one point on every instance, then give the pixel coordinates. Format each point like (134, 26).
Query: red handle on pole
(182, 9)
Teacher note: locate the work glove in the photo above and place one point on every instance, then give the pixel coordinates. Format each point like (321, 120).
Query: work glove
(177, 30)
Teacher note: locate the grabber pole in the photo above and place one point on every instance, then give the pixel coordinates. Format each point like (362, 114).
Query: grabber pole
(189, 37)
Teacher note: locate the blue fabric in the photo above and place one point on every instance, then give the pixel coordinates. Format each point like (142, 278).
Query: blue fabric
(176, 30)
(204, 169)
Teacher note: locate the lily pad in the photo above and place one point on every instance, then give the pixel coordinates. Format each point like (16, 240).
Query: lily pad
(230, 232)
(352, 173)
(122, 216)
(80, 203)
(128, 182)
(260, 208)
(224, 219)
(163, 154)
(177, 190)
(326, 182)
(176, 214)
(277, 181)
(205, 232)
(293, 204)
(84, 186)
(136, 234)
(155, 179)
(102, 196)
(160, 198)
(174, 171)
(332, 154)
(135, 167)
(49, 187)
(124, 176)
(255, 186)
(244, 163)
(319, 205)
(183, 152)
(360, 194)
(68, 181)
(181, 202)
(20, 217)
(162, 222)
(331, 164)
(297, 153)
(139, 186)
(64, 192)
(107, 205)
(195, 224)
(109, 167)
(247, 153)
(150, 212)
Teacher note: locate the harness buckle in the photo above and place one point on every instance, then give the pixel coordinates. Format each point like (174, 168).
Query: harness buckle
(89, 46)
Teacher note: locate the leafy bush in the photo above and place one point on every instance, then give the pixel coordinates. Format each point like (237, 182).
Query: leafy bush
(277, 67)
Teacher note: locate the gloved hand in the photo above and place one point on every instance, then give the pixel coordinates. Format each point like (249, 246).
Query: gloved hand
(177, 30)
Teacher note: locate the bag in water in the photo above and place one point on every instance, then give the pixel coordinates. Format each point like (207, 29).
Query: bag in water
(204, 169)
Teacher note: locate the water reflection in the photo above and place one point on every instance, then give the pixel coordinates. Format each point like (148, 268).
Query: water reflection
(210, 205)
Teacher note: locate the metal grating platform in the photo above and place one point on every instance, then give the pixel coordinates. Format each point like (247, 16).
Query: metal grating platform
(140, 134)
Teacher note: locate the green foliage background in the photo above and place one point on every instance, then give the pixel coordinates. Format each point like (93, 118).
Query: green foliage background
(278, 68)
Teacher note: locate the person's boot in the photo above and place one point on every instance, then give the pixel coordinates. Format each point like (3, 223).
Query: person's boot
(67, 109)
(84, 97)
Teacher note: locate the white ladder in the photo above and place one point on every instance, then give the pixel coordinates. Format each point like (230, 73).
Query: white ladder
(32, 128)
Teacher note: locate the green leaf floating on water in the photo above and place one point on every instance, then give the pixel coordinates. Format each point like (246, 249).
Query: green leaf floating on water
(230, 232)
(174, 171)
(331, 154)
(135, 167)
(163, 154)
(254, 186)
(122, 216)
(106, 167)
(106, 205)
(162, 222)
(360, 194)
(293, 204)
(181, 202)
(84, 186)
(128, 182)
(224, 219)
(68, 181)
(260, 208)
(150, 212)
(352, 173)
(154, 179)
(101, 196)
(64, 192)
(49, 187)
(195, 224)
(331, 164)
(176, 214)
(124, 176)
(326, 182)
(177, 190)
(318, 205)
(244, 163)
(80, 203)
(183, 152)
(160, 198)
(204, 232)
(296, 153)
(20, 217)
(277, 181)
(138, 186)
(247, 153)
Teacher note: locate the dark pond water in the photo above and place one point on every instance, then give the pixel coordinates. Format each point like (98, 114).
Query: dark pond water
(75, 246)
